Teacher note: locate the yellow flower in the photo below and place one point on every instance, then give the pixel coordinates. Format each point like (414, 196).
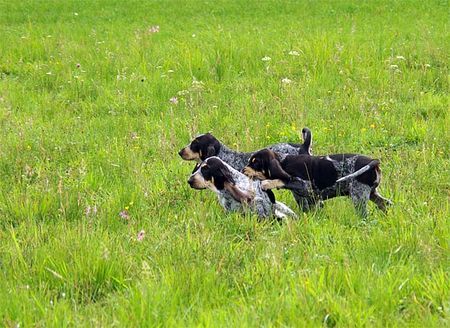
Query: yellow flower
(372, 126)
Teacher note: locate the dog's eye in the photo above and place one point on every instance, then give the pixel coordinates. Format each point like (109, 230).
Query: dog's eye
(206, 172)
(194, 145)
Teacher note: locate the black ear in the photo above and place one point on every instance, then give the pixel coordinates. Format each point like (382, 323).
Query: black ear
(210, 151)
(222, 176)
(277, 172)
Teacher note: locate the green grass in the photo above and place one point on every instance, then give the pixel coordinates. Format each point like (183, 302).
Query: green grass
(370, 77)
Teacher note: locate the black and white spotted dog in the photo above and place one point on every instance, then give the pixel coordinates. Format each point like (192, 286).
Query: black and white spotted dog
(206, 145)
(319, 178)
(236, 192)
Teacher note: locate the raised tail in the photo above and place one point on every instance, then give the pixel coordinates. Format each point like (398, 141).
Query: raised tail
(371, 165)
(307, 140)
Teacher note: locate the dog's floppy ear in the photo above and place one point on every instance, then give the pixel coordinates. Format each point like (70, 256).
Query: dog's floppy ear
(210, 151)
(275, 171)
(222, 176)
(238, 194)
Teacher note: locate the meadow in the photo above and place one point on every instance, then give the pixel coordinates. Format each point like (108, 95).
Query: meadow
(98, 226)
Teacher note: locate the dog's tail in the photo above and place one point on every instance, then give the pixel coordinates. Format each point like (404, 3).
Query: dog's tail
(374, 163)
(307, 140)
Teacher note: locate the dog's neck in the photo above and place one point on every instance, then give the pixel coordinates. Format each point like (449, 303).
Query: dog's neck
(237, 159)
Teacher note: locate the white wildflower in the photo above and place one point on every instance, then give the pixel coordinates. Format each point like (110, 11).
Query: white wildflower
(266, 59)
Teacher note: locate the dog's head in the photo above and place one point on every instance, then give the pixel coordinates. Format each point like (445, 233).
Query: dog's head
(201, 148)
(215, 175)
(261, 165)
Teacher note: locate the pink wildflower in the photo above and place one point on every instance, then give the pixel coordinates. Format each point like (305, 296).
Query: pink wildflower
(174, 100)
(140, 235)
(124, 214)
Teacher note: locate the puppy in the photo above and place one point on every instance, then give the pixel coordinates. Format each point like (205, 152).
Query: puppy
(319, 178)
(235, 191)
(206, 145)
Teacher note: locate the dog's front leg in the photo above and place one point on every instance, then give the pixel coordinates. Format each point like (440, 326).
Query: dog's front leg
(272, 184)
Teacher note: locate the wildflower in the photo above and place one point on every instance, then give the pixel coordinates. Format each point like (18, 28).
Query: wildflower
(88, 211)
(193, 35)
(266, 59)
(183, 92)
(78, 65)
(154, 29)
(286, 81)
(197, 85)
(393, 67)
(400, 58)
(294, 53)
(372, 126)
(76, 14)
(124, 214)
(174, 100)
(140, 235)
(134, 135)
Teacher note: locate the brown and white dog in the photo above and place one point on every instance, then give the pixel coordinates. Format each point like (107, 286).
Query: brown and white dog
(319, 178)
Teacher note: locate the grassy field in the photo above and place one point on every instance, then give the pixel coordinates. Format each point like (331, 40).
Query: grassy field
(90, 131)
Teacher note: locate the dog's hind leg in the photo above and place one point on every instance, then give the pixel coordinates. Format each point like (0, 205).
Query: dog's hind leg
(380, 201)
(360, 194)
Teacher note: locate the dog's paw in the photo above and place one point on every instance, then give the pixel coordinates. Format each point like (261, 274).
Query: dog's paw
(266, 185)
